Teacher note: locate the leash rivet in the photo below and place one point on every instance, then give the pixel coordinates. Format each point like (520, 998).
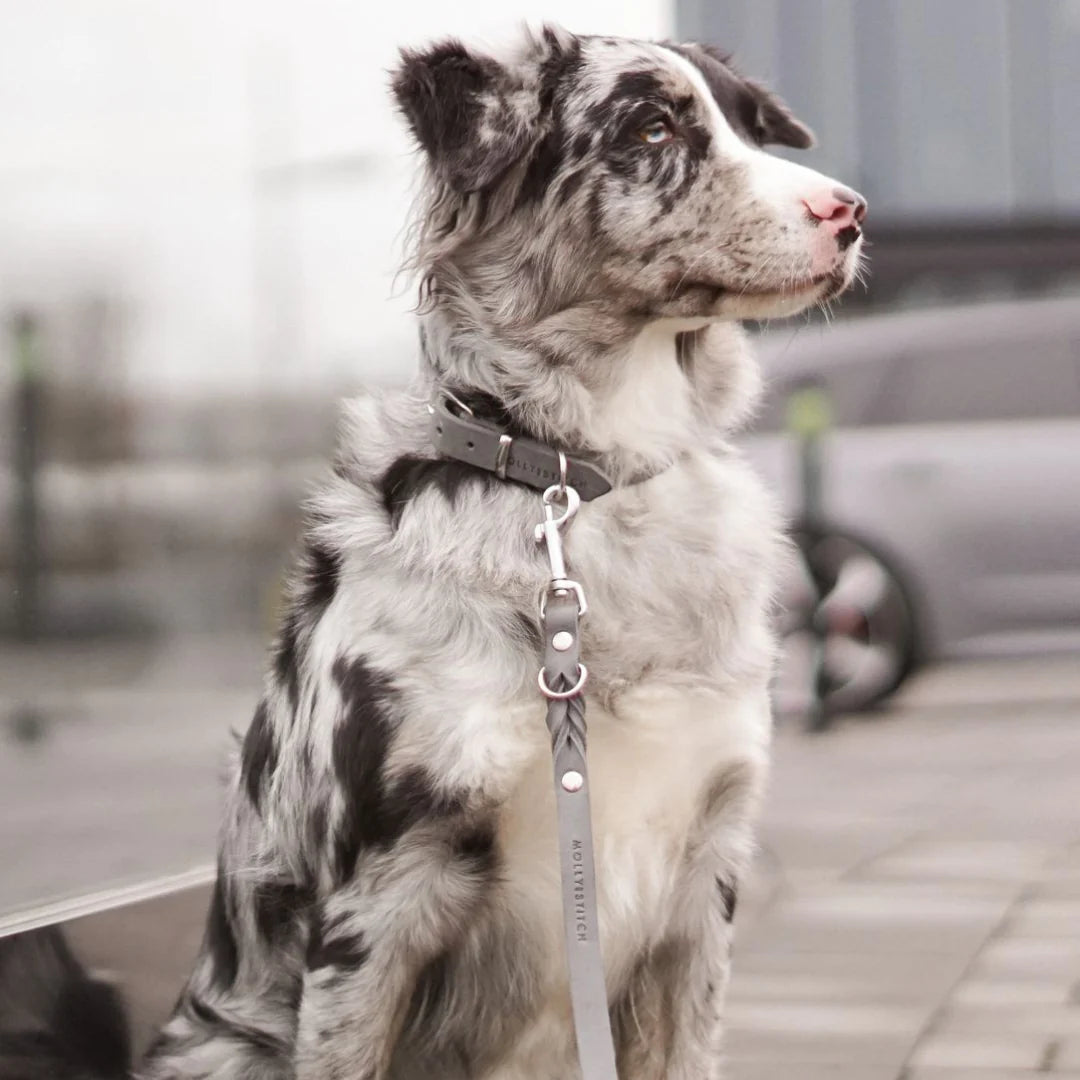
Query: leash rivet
(572, 780)
(562, 641)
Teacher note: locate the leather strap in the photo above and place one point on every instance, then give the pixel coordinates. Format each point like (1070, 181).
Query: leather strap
(566, 724)
(457, 432)
(483, 443)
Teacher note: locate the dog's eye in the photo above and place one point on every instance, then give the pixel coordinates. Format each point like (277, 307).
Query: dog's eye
(659, 131)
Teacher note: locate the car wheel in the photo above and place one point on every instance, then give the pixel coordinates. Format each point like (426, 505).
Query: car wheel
(848, 627)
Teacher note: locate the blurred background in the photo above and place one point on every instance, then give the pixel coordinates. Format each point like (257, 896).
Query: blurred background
(201, 216)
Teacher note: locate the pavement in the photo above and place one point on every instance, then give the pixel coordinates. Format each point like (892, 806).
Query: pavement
(914, 913)
(111, 758)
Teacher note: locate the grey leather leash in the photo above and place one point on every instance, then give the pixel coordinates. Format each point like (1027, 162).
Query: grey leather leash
(459, 433)
(562, 681)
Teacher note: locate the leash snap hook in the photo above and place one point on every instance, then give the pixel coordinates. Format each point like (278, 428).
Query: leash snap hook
(558, 492)
(549, 533)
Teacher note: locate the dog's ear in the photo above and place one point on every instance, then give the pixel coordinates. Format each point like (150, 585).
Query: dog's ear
(464, 112)
(769, 120)
(777, 124)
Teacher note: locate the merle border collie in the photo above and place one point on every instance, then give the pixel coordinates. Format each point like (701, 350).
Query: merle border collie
(596, 215)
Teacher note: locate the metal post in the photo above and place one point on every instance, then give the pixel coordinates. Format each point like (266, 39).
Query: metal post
(27, 426)
(27, 722)
(809, 417)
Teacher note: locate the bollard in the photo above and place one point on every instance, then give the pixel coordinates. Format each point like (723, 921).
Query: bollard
(27, 723)
(27, 428)
(809, 418)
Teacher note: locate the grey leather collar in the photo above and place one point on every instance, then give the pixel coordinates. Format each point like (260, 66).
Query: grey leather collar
(457, 432)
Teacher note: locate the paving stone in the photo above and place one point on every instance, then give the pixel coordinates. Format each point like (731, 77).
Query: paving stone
(839, 977)
(795, 1018)
(1057, 918)
(991, 683)
(793, 929)
(1034, 958)
(1067, 1057)
(1052, 1021)
(815, 852)
(766, 1070)
(798, 1049)
(1012, 993)
(1064, 886)
(900, 902)
(815, 989)
(982, 1051)
(987, 860)
(980, 1074)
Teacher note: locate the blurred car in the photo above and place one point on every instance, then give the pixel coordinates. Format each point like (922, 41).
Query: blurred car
(950, 480)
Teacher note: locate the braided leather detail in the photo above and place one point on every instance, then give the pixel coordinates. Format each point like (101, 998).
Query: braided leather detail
(566, 720)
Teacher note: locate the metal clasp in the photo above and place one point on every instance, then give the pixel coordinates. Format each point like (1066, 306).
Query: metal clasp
(548, 532)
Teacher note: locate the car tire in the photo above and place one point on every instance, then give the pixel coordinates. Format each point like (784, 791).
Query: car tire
(852, 615)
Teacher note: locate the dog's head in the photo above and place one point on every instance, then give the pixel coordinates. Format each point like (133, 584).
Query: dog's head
(625, 177)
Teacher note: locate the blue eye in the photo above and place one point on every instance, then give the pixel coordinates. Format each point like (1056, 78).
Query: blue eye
(659, 131)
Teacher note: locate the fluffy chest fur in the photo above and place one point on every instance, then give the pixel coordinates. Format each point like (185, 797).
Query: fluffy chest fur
(654, 756)
(652, 760)
(678, 571)
(443, 603)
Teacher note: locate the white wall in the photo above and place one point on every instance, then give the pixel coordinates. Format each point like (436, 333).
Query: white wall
(231, 170)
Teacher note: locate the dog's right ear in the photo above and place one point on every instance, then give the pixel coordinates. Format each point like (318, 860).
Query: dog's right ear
(464, 113)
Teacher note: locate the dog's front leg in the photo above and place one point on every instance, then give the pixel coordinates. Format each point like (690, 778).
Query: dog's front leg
(697, 1000)
(667, 1017)
(370, 940)
(702, 923)
(667, 1021)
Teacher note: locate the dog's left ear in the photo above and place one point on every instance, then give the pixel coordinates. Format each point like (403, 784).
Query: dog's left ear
(779, 126)
(464, 112)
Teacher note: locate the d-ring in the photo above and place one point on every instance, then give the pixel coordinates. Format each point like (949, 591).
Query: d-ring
(562, 471)
(502, 459)
(563, 695)
(451, 396)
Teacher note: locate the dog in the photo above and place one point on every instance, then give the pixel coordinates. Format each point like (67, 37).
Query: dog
(596, 216)
(57, 1020)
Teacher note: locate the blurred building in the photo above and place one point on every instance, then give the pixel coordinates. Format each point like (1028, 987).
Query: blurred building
(957, 120)
(230, 176)
(202, 208)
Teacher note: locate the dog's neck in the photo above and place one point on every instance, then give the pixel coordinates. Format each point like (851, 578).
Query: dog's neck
(635, 406)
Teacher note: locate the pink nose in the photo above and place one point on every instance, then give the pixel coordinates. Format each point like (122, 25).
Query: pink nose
(838, 209)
